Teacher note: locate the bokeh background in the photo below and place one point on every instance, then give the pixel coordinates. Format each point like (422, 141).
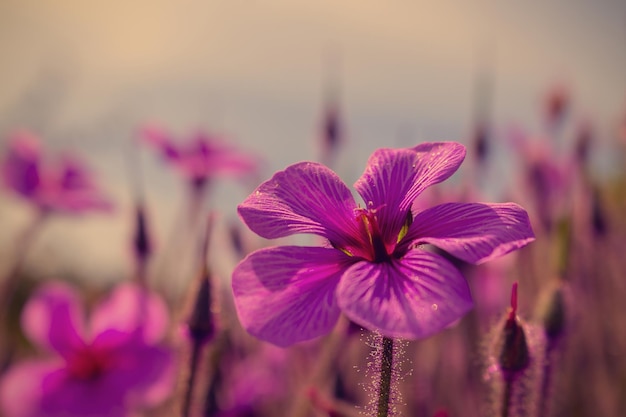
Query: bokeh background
(85, 76)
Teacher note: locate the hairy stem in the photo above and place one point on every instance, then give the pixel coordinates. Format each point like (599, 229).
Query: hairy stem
(386, 368)
(507, 396)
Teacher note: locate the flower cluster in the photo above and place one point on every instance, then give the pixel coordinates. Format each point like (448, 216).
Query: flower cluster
(67, 187)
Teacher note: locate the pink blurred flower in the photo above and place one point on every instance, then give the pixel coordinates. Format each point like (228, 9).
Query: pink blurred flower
(109, 368)
(65, 187)
(545, 178)
(203, 157)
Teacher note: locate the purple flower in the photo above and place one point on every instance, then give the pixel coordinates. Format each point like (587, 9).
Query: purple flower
(203, 157)
(375, 268)
(108, 369)
(65, 187)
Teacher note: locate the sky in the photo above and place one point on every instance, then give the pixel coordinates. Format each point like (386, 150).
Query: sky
(86, 75)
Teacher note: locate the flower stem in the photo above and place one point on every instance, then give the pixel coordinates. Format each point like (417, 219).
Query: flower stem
(9, 284)
(196, 349)
(507, 396)
(386, 371)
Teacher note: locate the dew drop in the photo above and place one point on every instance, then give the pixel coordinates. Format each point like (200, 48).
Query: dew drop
(434, 307)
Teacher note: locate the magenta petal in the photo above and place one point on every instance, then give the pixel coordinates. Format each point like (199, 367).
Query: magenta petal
(147, 374)
(286, 295)
(304, 198)
(412, 298)
(53, 318)
(395, 177)
(22, 388)
(20, 166)
(129, 309)
(64, 396)
(473, 232)
(161, 140)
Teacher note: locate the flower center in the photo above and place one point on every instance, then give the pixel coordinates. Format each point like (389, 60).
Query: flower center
(370, 242)
(377, 250)
(88, 363)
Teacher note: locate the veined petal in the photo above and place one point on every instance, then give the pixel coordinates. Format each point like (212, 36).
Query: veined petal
(129, 309)
(412, 298)
(286, 295)
(304, 198)
(473, 232)
(53, 318)
(395, 177)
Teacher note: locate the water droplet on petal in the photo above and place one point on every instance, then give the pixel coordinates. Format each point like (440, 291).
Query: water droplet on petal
(434, 307)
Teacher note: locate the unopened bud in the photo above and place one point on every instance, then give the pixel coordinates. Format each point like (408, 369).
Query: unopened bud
(598, 217)
(552, 313)
(142, 245)
(557, 102)
(514, 351)
(480, 141)
(201, 326)
(332, 128)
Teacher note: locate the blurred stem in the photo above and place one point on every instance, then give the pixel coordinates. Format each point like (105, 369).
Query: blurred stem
(9, 284)
(546, 381)
(386, 367)
(173, 257)
(196, 350)
(506, 396)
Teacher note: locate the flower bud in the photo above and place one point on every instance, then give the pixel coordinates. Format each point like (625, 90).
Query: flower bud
(514, 351)
(141, 240)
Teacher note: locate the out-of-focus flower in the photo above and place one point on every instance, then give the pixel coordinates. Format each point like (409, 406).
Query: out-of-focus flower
(257, 380)
(203, 157)
(375, 267)
(109, 368)
(65, 187)
(545, 179)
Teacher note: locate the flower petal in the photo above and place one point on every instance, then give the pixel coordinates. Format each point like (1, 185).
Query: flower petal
(395, 177)
(129, 309)
(161, 140)
(146, 373)
(65, 396)
(412, 298)
(53, 318)
(22, 387)
(473, 232)
(20, 166)
(304, 198)
(209, 155)
(286, 295)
